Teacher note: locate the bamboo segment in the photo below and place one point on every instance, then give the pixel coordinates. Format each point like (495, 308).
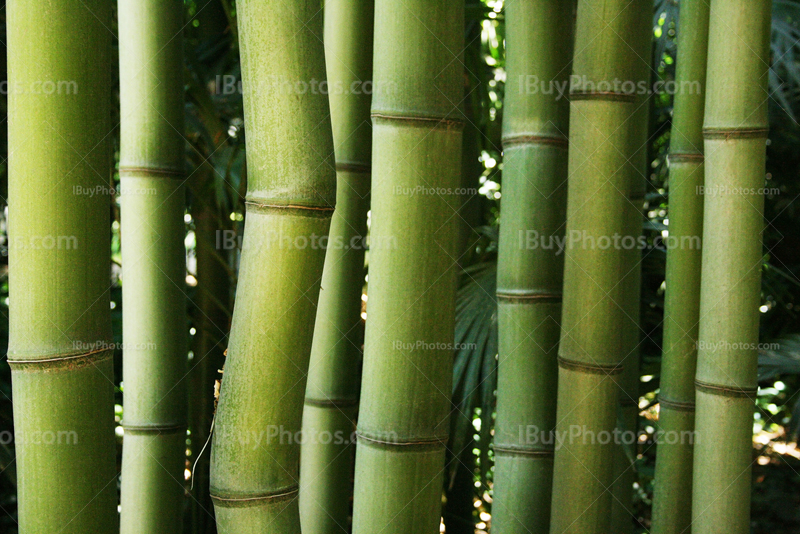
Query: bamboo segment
(600, 235)
(622, 514)
(735, 130)
(290, 197)
(530, 263)
(153, 266)
(60, 348)
(332, 393)
(405, 396)
(672, 502)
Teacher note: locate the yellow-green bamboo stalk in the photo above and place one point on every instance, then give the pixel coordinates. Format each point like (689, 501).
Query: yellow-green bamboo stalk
(405, 396)
(735, 132)
(290, 195)
(530, 264)
(153, 265)
(60, 348)
(672, 501)
(332, 393)
(592, 347)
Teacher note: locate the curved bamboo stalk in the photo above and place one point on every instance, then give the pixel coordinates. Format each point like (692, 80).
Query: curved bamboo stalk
(593, 343)
(153, 266)
(332, 393)
(530, 263)
(735, 131)
(60, 348)
(672, 502)
(291, 191)
(405, 397)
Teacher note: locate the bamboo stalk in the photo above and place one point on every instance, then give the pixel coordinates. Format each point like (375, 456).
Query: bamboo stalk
(60, 348)
(672, 502)
(735, 130)
(592, 345)
(290, 197)
(212, 323)
(332, 392)
(153, 266)
(622, 513)
(530, 264)
(405, 396)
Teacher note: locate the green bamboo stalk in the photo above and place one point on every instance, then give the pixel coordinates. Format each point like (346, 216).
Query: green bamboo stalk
(592, 345)
(405, 396)
(60, 348)
(530, 265)
(622, 513)
(212, 320)
(672, 502)
(735, 131)
(290, 197)
(153, 265)
(332, 392)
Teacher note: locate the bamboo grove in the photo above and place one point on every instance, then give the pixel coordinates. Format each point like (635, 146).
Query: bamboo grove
(317, 392)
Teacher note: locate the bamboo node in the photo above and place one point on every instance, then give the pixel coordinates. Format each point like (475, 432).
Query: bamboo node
(726, 391)
(546, 454)
(331, 403)
(686, 157)
(591, 368)
(546, 140)
(608, 96)
(152, 172)
(678, 406)
(525, 295)
(436, 122)
(62, 362)
(346, 166)
(257, 499)
(735, 133)
(425, 444)
(154, 429)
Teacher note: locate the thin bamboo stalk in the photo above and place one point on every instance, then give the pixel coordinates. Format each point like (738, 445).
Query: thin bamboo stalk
(405, 396)
(530, 264)
(60, 348)
(622, 513)
(153, 266)
(672, 502)
(735, 132)
(290, 197)
(332, 392)
(592, 345)
(212, 321)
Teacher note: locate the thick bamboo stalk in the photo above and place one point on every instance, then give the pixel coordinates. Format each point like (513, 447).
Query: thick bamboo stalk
(405, 396)
(672, 502)
(735, 132)
(59, 203)
(290, 197)
(332, 393)
(592, 345)
(153, 266)
(530, 264)
(622, 514)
